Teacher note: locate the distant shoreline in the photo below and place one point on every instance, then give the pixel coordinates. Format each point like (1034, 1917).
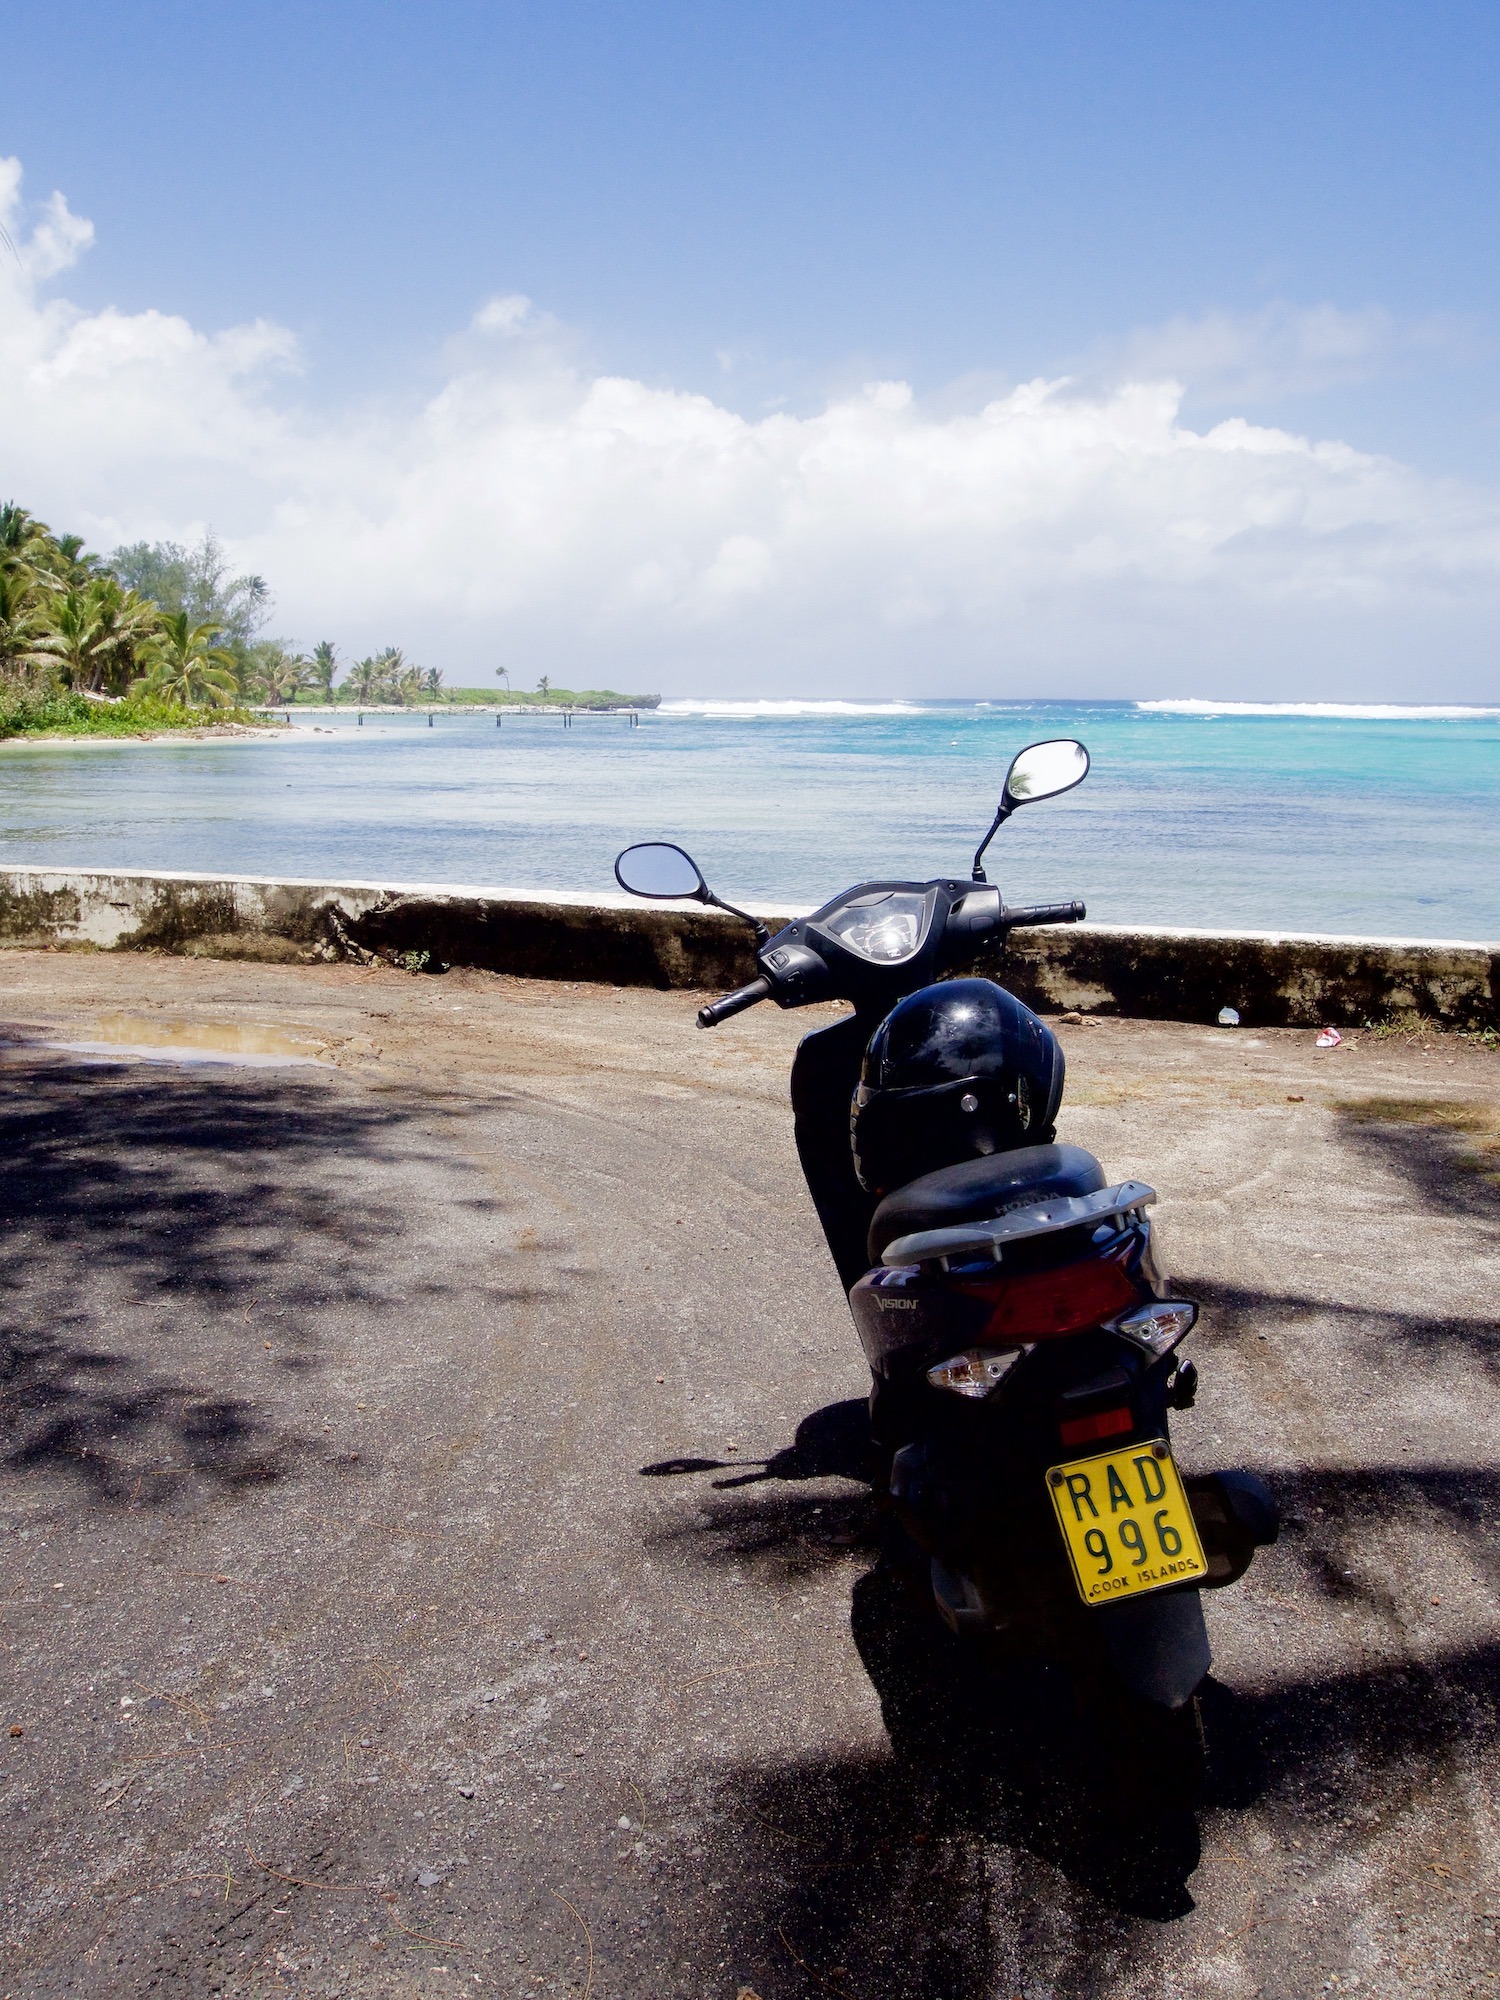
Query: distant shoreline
(458, 708)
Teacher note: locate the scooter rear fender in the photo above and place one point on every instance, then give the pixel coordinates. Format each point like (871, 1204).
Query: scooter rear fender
(1156, 1647)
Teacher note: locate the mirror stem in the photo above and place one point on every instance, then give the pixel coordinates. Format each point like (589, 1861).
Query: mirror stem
(762, 935)
(995, 825)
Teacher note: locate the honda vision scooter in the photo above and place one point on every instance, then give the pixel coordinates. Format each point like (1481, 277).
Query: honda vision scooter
(1024, 1343)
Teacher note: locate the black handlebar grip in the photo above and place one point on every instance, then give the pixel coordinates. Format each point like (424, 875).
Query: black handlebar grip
(734, 1003)
(1045, 913)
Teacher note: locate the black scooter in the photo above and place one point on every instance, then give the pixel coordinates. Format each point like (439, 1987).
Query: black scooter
(1023, 1342)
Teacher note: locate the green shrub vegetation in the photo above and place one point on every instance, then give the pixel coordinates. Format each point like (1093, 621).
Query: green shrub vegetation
(61, 712)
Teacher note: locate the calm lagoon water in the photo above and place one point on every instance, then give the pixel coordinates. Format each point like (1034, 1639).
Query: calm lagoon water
(1379, 822)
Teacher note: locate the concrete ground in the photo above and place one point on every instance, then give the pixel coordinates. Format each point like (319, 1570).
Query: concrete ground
(347, 1650)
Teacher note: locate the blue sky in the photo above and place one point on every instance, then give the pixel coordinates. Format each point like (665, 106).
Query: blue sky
(1290, 212)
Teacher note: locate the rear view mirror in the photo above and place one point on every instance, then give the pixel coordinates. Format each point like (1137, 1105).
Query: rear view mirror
(1042, 770)
(657, 868)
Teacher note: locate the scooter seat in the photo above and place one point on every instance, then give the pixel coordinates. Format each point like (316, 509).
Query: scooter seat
(978, 1190)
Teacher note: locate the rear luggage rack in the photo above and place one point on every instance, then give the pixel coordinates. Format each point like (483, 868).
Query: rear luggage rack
(964, 1242)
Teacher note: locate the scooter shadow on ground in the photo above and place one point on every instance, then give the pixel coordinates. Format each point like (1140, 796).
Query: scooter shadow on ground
(987, 1753)
(832, 1443)
(912, 1873)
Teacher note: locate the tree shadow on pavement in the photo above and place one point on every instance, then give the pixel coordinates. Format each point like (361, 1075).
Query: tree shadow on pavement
(165, 1232)
(1239, 1313)
(1444, 1149)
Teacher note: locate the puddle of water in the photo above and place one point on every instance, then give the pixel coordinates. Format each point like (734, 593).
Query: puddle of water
(244, 1044)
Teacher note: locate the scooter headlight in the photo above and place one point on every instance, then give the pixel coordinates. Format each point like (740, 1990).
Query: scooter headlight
(976, 1372)
(1157, 1328)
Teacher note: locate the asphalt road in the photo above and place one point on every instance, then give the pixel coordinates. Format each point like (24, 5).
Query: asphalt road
(347, 1649)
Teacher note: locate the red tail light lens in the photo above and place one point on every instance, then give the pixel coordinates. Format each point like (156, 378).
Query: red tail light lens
(1103, 1424)
(1043, 1305)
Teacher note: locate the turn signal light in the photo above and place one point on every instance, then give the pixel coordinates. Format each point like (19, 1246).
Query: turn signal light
(975, 1373)
(1158, 1327)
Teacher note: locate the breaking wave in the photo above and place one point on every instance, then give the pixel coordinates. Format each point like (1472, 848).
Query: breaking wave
(1343, 711)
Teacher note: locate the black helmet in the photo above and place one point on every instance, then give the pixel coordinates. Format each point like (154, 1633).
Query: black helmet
(955, 1071)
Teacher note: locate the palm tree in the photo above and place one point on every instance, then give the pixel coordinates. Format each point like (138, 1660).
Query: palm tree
(127, 624)
(324, 666)
(279, 676)
(75, 633)
(76, 564)
(542, 686)
(24, 654)
(390, 663)
(364, 681)
(95, 633)
(24, 541)
(503, 674)
(432, 683)
(184, 665)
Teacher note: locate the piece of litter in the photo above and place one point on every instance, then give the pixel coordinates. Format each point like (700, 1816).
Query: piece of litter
(1328, 1038)
(466, 1791)
(1294, 1100)
(428, 1879)
(1229, 1017)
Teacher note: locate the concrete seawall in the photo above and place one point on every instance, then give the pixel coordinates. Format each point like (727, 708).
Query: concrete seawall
(1274, 979)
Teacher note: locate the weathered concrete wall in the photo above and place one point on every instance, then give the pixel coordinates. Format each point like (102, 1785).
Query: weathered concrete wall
(1274, 980)
(554, 935)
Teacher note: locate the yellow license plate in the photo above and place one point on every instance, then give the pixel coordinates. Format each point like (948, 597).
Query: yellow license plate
(1126, 1521)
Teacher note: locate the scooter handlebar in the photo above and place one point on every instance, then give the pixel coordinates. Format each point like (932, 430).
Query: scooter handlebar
(734, 1003)
(1044, 913)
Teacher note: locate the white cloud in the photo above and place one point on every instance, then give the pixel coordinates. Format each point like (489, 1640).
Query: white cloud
(559, 520)
(503, 315)
(58, 237)
(1284, 350)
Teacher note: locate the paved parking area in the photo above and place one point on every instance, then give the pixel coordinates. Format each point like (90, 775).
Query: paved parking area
(347, 1650)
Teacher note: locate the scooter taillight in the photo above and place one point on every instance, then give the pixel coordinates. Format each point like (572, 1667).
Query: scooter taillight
(1045, 1305)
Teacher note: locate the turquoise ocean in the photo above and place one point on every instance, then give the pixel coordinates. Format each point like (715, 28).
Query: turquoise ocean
(1366, 821)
